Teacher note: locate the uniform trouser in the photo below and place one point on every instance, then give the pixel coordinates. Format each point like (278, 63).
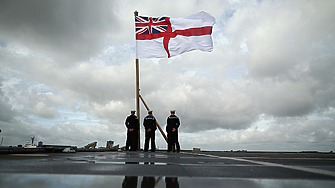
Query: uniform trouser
(132, 141)
(150, 136)
(173, 143)
(129, 181)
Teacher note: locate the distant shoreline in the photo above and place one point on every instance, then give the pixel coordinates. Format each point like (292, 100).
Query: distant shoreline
(230, 153)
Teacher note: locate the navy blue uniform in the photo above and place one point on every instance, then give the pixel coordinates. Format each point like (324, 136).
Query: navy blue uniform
(173, 143)
(132, 136)
(149, 123)
(171, 182)
(148, 182)
(130, 182)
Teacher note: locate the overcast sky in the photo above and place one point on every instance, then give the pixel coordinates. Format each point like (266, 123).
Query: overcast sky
(67, 74)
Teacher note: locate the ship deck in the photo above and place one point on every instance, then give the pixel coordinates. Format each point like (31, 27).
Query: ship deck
(187, 169)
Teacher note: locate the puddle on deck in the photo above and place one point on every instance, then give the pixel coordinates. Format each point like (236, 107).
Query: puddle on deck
(104, 181)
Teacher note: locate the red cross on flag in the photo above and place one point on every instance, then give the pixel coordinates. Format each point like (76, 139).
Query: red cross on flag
(165, 37)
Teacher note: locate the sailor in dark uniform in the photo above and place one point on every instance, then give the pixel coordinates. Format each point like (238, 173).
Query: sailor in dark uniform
(172, 126)
(133, 126)
(150, 129)
(130, 182)
(148, 182)
(171, 182)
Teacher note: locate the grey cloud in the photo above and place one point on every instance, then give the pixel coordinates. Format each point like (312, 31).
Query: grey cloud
(283, 134)
(287, 44)
(288, 98)
(69, 31)
(281, 36)
(6, 112)
(201, 102)
(39, 104)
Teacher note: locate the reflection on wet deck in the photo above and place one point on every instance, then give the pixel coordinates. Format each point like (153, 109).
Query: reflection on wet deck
(162, 169)
(102, 181)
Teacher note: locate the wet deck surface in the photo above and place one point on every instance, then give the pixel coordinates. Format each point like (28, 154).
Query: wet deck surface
(186, 169)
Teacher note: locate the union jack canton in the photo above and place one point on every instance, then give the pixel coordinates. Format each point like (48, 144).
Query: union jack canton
(148, 28)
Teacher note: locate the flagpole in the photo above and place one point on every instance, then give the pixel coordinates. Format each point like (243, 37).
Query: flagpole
(138, 91)
(138, 99)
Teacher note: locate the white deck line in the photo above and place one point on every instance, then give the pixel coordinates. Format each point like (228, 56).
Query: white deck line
(305, 169)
